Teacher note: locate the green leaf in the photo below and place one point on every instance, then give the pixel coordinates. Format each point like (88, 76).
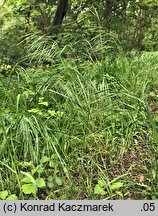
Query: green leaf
(44, 159)
(26, 180)
(119, 193)
(40, 182)
(52, 163)
(59, 114)
(41, 99)
(44, 103)
(29, 189)
(50, 178)
(12, 197)
(26, 164)
(37, 169)
(34, 110)
(50, 182)
(29, 176)
(116, 186)
(54, 156)
(51, 112)
(98, 190)
(58, 181)
(156, 118)
(101, 183)
(3, 194)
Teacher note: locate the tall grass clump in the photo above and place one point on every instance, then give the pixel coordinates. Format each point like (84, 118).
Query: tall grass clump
(80, 127)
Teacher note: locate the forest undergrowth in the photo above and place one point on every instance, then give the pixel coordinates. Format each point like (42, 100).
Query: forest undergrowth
(80, 129)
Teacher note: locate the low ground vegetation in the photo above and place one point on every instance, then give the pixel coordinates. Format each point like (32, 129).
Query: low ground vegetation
(80, 130)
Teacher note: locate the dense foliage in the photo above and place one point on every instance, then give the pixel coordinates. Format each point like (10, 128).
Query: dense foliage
(78, 95)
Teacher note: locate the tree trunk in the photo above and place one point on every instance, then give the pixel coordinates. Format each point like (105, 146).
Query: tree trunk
(60, 12)
(107, 13)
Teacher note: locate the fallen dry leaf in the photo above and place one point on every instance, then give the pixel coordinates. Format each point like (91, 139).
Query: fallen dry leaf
(141, 178)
